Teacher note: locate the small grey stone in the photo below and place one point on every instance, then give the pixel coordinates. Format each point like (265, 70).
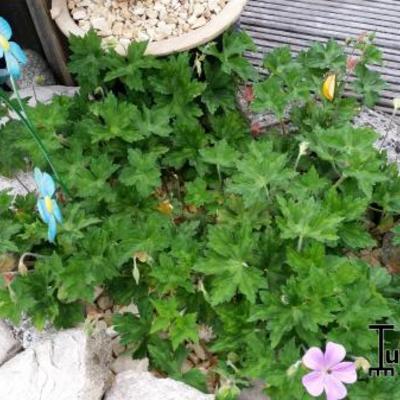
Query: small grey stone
(104, 302)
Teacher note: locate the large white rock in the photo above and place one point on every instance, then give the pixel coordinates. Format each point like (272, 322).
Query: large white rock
(131, 385)
(9, 346)
(66, 366)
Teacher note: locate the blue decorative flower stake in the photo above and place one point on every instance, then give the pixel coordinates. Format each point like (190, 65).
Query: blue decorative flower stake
(11, 51)
(46, 204)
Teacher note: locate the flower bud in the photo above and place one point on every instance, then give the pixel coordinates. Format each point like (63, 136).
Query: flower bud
(329, 86)
(228, 391)
(293, 368)
(303, 147)
(351, 63)
(362, 363)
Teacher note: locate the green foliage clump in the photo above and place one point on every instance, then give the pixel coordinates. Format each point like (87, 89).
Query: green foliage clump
(175, 207)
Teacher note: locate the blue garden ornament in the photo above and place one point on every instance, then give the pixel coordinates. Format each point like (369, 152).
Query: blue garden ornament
(11, 51)
(47, 206)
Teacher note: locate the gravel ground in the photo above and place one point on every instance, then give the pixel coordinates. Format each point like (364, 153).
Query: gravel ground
(388, 129)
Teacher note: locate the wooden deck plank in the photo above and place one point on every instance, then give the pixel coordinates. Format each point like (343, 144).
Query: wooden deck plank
(50, 39)
(299, 23)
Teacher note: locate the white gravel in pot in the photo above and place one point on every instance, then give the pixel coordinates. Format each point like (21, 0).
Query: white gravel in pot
(121, 21)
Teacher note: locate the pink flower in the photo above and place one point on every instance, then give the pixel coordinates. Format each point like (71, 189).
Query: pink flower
(329, 372)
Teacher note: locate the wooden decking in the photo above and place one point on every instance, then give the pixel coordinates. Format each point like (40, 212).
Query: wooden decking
(273, 23)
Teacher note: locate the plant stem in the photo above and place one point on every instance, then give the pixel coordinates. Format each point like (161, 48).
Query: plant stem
(32, 130)
(348, 73)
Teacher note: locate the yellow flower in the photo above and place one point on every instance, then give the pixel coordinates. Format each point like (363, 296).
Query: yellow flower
(329, 86)
(396, 103)
(165, 207)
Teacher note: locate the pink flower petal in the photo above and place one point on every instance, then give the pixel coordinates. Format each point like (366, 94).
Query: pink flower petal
(314, 383)
(334, 354)
(314, 359)
(334, 389)
(345, 372)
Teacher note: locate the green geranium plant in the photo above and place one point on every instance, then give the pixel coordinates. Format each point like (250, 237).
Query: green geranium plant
(177, 206)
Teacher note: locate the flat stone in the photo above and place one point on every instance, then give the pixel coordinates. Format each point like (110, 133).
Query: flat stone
(130, 385)
(9, 345)
(66, 366)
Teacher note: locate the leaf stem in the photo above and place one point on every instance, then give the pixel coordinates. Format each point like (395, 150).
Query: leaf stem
(339, 182)
(296, 164)
(300, 243)
(219, 176)
(266, 191)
